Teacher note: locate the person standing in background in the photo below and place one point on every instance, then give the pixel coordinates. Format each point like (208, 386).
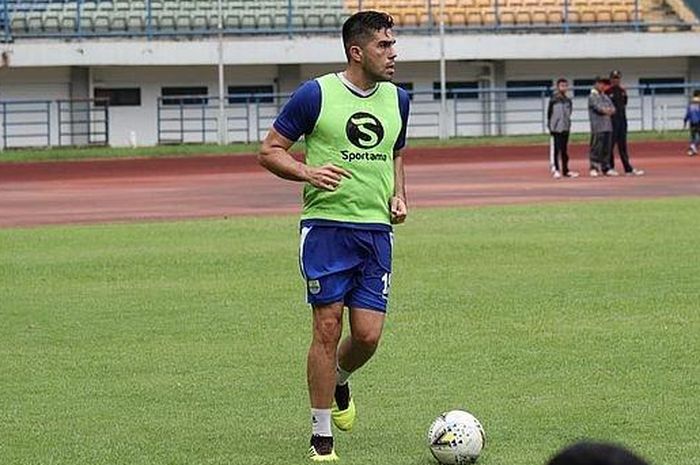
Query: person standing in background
(600, 111)
(559, 123)
(618, 95)
(692, 118)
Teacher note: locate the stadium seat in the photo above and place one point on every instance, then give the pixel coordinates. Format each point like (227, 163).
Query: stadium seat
(100, 16)
(604, 16)
(540, 17)
(100, 23)
(19, 25)
(620, 16)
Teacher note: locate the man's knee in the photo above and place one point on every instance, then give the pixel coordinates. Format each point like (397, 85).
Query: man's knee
(368, 338)
(328, 328)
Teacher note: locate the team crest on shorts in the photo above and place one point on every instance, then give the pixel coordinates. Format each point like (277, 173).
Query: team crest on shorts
(314, 286)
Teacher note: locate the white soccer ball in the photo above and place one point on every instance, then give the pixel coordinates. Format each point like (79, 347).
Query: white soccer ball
(456, 438)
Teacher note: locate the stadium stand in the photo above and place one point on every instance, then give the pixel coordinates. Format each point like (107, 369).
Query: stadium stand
(125, 17)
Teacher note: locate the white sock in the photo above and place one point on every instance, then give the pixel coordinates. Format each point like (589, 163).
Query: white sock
(321, 422)
(341, 376)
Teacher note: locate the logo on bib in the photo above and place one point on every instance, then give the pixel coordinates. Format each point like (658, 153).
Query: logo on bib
(364, 130)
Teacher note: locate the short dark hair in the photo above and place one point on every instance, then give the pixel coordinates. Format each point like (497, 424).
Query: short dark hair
(561, 79)
(358, 28)
(596, 453)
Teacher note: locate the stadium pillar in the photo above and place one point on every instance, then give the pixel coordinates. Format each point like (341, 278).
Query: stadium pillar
(694, 69)
(443, 75)
(499, 96)
(288, 78)
(223, 123)
(79, 107)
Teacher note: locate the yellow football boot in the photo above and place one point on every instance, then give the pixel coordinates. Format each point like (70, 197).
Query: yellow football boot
(344, 419)
(322, 450)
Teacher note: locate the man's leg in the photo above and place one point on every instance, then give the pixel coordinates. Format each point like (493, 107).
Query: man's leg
(365, 331)
(565, 153)
(622, 149)
(615, 135)
(357, 348)
(556, 151)
(553, 166)
(321, 364)
(367, 303)
(605, 150)
(591, 153)
(597, 151)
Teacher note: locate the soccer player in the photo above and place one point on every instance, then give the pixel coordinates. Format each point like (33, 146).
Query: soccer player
(354, 123)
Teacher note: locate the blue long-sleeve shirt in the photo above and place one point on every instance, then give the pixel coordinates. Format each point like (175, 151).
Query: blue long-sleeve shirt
(692, 116)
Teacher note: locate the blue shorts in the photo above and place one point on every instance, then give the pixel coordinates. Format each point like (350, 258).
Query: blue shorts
(349, 265)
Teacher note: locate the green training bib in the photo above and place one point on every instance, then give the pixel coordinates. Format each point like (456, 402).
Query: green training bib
(357, 134)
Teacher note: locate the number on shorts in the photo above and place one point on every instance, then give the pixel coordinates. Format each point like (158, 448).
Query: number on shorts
(386, 279)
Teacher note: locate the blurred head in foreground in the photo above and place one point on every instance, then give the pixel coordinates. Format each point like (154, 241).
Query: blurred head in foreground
(595, 453)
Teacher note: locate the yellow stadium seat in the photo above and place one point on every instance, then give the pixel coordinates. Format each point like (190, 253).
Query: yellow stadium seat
(604, 16)
(539, 17)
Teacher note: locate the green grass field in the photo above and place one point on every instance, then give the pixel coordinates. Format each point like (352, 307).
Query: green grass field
(188, 150)
(185, 342)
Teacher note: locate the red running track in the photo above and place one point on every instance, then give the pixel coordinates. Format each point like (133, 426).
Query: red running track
(34, 194)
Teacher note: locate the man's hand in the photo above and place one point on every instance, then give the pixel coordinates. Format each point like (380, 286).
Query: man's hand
(398, 210)
(325, 177)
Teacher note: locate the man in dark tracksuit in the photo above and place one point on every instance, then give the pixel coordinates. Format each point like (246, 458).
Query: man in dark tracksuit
(600, 111)
(618, 95)
(559, 123)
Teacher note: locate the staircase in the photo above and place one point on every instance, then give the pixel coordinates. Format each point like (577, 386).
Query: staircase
(665, 11)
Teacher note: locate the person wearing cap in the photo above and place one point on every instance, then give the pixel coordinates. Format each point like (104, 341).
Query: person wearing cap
(692, 117)
(600, 111)
(559, 123)
(618, 95)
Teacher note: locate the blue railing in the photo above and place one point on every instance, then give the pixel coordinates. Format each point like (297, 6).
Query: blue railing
(157, 18)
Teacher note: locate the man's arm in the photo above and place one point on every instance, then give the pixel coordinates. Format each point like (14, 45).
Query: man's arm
(399, 209)
(550, 110)
(275, 157)
(600, 106)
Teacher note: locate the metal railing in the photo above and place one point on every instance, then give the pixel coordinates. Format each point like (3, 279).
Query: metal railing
(46, 123)
(470, 113)
(25, 123)
(83, 122)
(156, 18)
(248, 117)
(246, 120)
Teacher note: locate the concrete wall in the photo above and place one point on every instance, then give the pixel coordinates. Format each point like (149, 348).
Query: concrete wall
(324, 49)
(250, 122)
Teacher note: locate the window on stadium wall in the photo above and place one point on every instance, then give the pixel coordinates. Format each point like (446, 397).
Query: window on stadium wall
(524, 92)
(118, 97)
(643, 82)
(184, 95)
(457, 89)
(582, 87)
(408, 87)
(243, 94)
